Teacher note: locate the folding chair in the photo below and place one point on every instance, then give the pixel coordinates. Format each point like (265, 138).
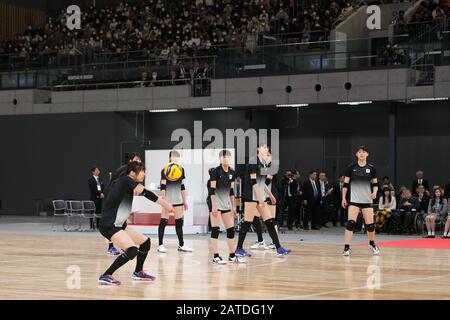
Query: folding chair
(88, 212)
(76, 211)
(60, 210)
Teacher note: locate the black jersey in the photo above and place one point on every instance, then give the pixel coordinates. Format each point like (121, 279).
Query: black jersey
(117, 205)
(261, 171)
(360, 182)
(223, 179)
(173, 189)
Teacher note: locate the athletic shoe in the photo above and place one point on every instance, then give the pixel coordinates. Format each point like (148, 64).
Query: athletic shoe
(237, 259)
(258, 245)
(270, 246)
(242, 253)
(142, 276)
(113, 252)
(346, 253)
(108, 280)
(185, 248)
(162, 249)
(375, 249)
(282, 251)
(218, 260)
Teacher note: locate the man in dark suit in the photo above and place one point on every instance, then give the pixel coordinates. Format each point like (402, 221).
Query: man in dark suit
(96, 189)
(299, 194)
(420, 181)
(326, 199)
(341, 214)
(290, 196)
(311, 201)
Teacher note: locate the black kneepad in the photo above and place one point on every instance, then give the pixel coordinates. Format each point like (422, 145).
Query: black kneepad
(145, 247)
(246, 225)
(350, 225)
(370, 227)
(215, 232)
(230, 233)
(270, 223)
(179, 222)
(131, 252)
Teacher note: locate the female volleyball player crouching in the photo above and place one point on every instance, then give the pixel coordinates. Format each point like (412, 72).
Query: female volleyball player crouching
(113, 223)
(222, 206)
(361, 177)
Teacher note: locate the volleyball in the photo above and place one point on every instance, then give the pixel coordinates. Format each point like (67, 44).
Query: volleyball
(173, 171)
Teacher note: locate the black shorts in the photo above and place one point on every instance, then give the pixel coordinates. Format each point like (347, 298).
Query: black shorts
(111, 230)
(360, 205)
(209, 203)
(178, 205)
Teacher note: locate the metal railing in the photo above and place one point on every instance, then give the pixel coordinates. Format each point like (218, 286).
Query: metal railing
(276, 59)
(199, 87)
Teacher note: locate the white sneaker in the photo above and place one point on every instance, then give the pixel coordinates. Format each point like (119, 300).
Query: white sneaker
(375, 250)
(346, 253)
(185, 248)
(237, 259)
(218, 260)
(270, 246)
(162, 249)
(258, 245)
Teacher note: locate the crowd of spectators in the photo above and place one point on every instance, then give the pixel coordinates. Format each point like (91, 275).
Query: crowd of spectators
(166, 30)
(425, 19)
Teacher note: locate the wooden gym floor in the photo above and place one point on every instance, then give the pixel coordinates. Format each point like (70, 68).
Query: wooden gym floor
(43, 267)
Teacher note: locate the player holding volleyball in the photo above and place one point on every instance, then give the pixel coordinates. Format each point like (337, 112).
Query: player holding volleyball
(222, 206)
(173, 189)
(113, 223)
(361, 178)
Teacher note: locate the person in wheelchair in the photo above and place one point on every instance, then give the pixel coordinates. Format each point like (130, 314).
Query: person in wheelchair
(437, 209)
(407, 208)
(423, 198)
(386, 204)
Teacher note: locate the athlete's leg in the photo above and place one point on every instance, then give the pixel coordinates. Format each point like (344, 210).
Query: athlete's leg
(249, 214)
(368, 220)
(178, 214)
(144, 246)
(130, 248)
(228, 222)
(270, 224)
(215, 230)
(162, 225)
(353, 213)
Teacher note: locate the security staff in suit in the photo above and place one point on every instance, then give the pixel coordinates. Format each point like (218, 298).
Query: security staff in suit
(420, 181)
(96, 189)
(341, 213)
(311, 201)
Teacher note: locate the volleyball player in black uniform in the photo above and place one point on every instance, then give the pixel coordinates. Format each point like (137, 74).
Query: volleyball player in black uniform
(271, 199)
(113, 223)
(121, 171)
(253, 194)
(175, 193)
(221, 192)
(361, 179)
